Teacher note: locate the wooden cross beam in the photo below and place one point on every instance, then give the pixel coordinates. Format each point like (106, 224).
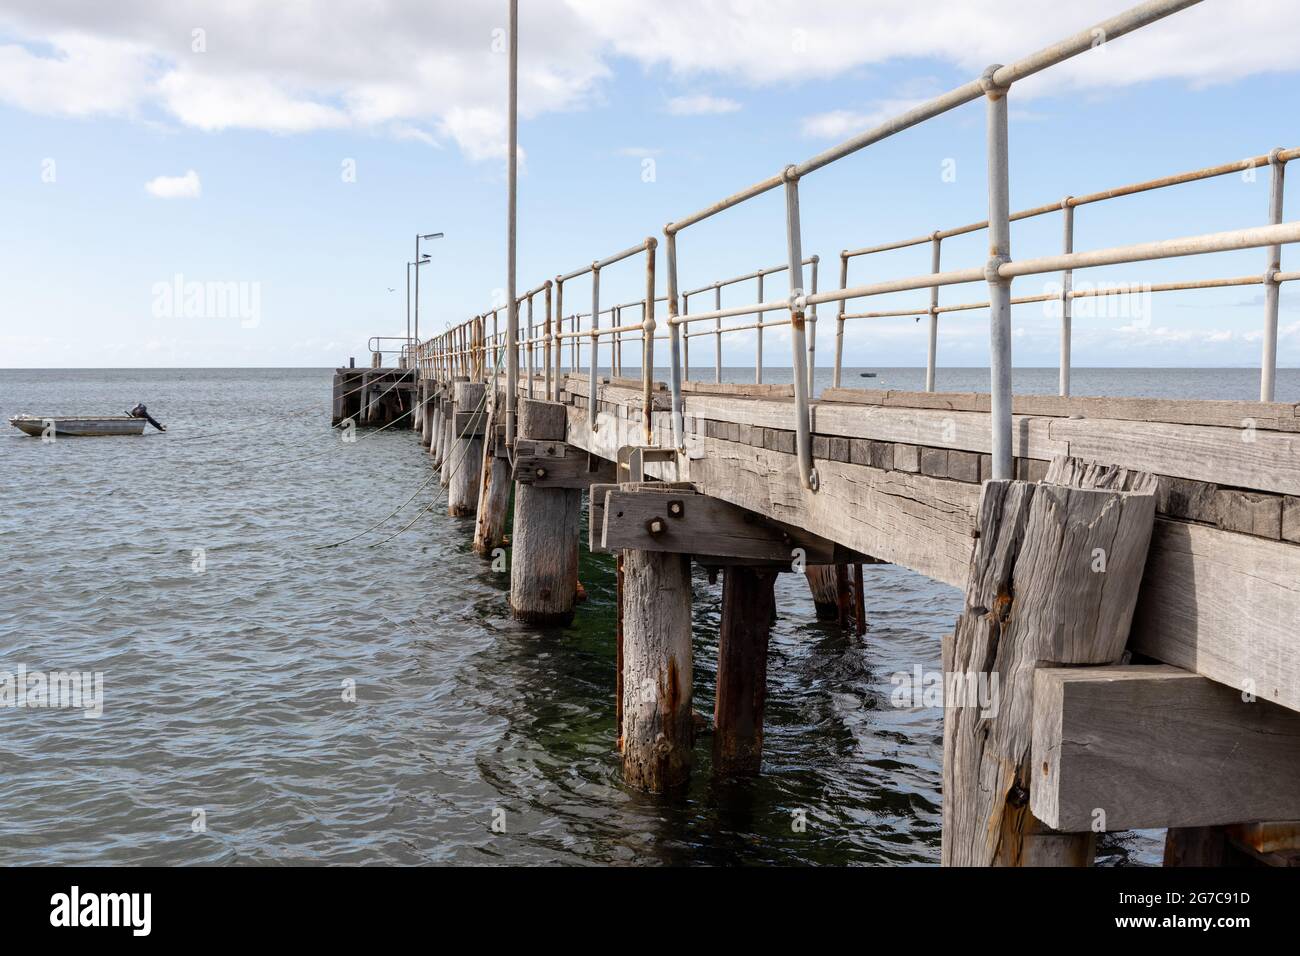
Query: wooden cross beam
(715, 531)
(1155, 746)
(553, 464)
(469, 423)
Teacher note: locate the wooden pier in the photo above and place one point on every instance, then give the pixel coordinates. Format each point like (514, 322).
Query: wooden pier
(1128, 650)
(1138, 614)
(374, 396)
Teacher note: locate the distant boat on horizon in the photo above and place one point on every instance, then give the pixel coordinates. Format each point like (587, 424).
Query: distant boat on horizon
(867, 374)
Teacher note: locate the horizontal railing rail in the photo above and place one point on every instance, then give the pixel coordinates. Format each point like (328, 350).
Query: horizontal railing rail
(1276, 160)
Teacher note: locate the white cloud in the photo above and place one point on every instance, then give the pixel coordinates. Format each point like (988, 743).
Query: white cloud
(88, 75)
(436, 65)
(211, 103)
(701, 105)
(176, 187)
(839, 124)
(771, 41)
(480, 133)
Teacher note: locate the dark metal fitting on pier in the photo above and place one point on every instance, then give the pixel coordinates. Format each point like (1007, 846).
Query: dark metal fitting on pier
(813, 480)
(655, 526)
(989, 85)
(676, 509)
(540, 472)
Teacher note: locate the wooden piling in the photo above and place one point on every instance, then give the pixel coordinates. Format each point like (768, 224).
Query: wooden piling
(658, 724)
(445, 440)
(435, 432)
(428, 413)
(1054, 579)
(821, 581)
(467, 452)
(544, 540)
(748, 606)
(494, 488)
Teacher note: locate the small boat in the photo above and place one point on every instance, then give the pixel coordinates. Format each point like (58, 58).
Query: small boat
(867, 374)
(78, 425)
(86, 426)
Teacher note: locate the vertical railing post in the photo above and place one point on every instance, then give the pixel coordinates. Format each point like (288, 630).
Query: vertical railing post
(1067, 303)
(812, 330)
(686, 340)
(999, 288)
(932, 353)
(512, 153)
(717, 335)
(674, 340)
(798, 341)
(595, 344)
(529, 351)
(1268, 364)
(559, 342)
(546, 345)
(758, 344)
(839, 320)
(616, 347)
(648, 343)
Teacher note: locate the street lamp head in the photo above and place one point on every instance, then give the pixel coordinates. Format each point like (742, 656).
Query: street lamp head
(432, 235)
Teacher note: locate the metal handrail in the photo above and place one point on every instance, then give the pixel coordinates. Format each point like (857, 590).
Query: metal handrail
(461, 344)
(1277, 159)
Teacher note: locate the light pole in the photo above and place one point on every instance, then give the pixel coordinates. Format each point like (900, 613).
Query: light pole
(417, 264)
(421, 260)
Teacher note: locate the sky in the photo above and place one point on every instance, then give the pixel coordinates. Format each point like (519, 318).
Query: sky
(240, 183)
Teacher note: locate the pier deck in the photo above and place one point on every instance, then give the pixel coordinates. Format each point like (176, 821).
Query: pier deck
(1128, 650)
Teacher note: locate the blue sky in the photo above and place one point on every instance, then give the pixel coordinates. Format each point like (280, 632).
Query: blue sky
(86, 245)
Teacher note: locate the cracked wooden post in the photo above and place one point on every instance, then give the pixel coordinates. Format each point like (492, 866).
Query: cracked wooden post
(494, 488)
(544, 540)
(448, 429)
(427, 416)
(467, 452)
(435, 433)
(821, 582)
(1054, 580)
(748, 606)
(658, 724)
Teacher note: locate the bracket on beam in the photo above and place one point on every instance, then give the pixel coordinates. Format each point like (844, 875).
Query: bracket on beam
(632, 460)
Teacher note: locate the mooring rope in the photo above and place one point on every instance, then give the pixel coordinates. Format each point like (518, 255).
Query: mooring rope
(454, 467)
(275, 421)
(329, 451)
